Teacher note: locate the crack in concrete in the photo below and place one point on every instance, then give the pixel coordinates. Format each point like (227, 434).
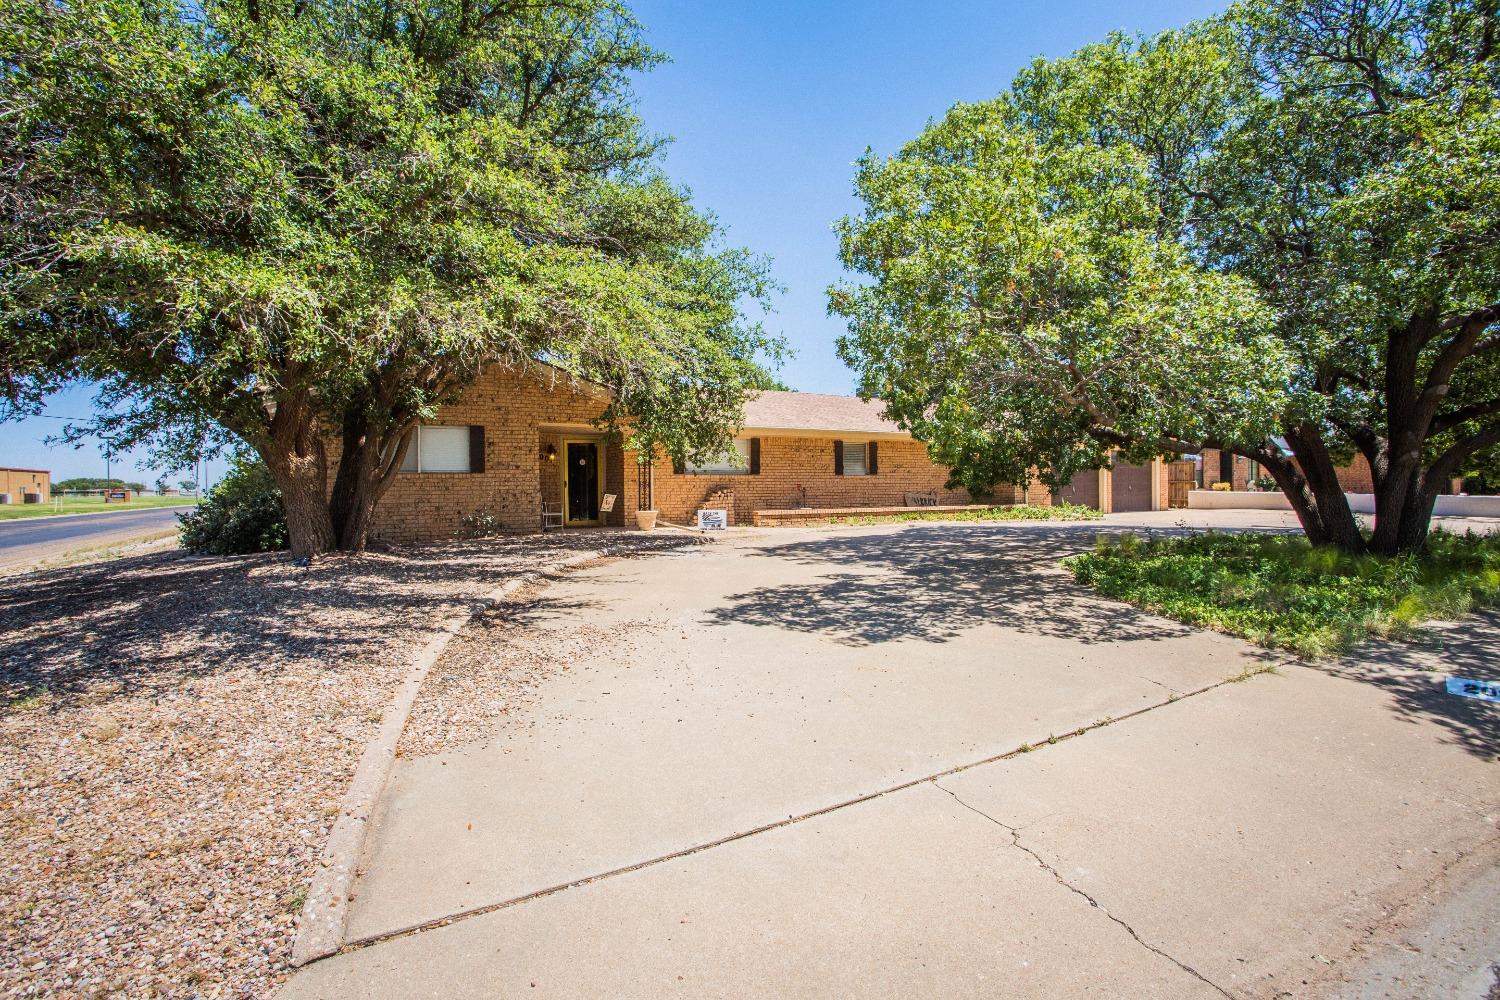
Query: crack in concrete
(1025, 748)
(1015, 839)
(1153, 680)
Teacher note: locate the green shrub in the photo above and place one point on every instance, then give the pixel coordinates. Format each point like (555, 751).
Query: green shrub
(241, 514)
(482, 523)
(1016, 512)
(1280, 592)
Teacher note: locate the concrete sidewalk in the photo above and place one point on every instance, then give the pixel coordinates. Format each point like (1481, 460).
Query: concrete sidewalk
(788, 701)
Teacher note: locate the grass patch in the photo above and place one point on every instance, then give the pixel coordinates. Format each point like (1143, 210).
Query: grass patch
(1018, 512)
(1280, 592)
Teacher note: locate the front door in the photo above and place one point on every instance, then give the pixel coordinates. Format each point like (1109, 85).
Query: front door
(581, 481)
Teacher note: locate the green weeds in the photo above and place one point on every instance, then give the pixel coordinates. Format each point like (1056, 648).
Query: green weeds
(1280, 592)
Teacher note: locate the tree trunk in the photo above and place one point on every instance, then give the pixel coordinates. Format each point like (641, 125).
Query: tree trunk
(292, 446)
(366, 469)
(1312, 486)
(302, 475)
(1416, 520)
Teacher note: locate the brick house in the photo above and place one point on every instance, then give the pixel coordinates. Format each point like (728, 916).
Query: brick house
(1125, 488)
(518, 440)
(1354, 477)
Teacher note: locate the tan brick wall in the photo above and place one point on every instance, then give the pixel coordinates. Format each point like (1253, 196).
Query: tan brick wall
(1354, 477)
(18, 482)
(512, 409)
(520, 414)
(789, 462)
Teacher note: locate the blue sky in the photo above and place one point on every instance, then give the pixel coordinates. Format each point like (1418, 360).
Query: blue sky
(769, 104)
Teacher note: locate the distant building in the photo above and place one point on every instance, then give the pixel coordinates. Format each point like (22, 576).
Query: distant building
(25, 485)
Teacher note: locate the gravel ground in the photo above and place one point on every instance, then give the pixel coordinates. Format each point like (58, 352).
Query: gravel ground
(492, 670)
(175, 734)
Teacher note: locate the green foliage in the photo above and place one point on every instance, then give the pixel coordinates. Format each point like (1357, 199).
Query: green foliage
(1283, 593)
(1027, 307)
(1279, 221)
(1017, 512)
(273, 222)
(92, 483)
(241, 514)
(481, 523)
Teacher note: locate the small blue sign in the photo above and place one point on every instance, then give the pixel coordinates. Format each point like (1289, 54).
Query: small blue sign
(1483, 690)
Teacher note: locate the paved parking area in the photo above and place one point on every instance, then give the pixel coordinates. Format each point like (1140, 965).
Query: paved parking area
(821, 762)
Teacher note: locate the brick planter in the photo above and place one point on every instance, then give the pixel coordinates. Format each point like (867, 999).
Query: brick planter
(822, 515)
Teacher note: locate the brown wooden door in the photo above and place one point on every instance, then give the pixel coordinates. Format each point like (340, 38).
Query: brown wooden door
(1182, 477)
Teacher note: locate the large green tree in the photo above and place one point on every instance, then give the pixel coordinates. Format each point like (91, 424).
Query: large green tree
(296, 222)
(1275, 232)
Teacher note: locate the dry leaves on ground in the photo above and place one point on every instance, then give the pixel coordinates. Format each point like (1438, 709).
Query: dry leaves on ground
(175, 735)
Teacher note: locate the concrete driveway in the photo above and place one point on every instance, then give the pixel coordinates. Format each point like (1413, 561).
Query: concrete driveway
(820, 762)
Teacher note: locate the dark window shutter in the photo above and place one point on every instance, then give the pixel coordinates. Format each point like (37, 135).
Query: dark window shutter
(678, 467)
(873, 465)
(476, 448)
(838, 458)
(755, 456)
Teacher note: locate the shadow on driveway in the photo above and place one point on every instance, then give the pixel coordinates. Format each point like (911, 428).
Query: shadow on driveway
(933, 582)
(1412, 673)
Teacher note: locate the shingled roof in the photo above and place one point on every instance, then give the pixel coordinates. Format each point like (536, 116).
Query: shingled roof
(815, 411)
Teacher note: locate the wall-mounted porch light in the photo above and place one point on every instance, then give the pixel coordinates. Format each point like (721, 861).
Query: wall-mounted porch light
(551, 453)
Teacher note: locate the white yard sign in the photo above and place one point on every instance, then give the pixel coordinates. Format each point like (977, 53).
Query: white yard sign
(1482, 690)
(713, 520)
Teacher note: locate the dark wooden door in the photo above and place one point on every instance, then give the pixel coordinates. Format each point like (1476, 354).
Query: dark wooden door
(583, 480)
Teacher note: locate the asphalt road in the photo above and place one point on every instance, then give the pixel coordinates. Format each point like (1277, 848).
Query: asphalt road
(29, 540)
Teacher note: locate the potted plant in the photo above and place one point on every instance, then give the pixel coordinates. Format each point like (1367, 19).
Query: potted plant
(645, 519)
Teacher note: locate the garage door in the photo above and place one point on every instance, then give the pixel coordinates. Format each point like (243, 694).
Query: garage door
(1132, 488)
(1082, 488)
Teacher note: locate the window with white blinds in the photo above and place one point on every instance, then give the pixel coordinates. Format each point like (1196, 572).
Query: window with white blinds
(438, 449)
(855, 458)
(735, 460)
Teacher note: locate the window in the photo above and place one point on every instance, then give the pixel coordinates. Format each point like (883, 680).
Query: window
(735, 461)
(856, 458)
(439, 449)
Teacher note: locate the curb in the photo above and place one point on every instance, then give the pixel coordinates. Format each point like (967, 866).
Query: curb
(325, 913)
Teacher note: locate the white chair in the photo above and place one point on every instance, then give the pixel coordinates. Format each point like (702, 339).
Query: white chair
(552, 515)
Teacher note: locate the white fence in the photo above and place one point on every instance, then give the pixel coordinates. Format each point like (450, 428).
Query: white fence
(1360, 503)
